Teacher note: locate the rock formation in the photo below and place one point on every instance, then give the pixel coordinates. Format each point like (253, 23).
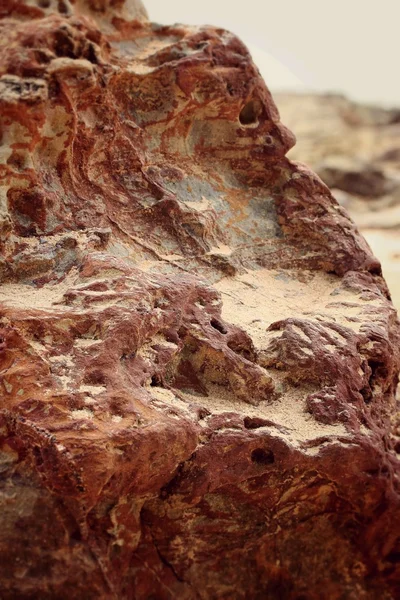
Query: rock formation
(198, 353)
(355, 149)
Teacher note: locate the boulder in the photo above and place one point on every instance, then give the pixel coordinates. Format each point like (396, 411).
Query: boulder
(198, 353)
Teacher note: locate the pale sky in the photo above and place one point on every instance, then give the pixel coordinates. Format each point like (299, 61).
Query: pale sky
(348, 46)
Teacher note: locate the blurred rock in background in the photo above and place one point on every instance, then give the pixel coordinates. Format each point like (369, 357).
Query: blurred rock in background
(355, 149)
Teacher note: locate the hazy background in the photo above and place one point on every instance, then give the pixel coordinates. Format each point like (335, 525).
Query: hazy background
(347, 46)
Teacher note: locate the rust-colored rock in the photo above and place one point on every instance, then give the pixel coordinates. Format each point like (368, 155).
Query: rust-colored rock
(355, 149)
(198, 353)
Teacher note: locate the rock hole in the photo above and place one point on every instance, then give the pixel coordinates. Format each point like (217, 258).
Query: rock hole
(250, 113)
(182, 331)
(75, 535)
(394, 557)
(44, 3)
(62, 7)
(397, 447)
(373, 472)
(262, 457)
(218, 326)
(90, 54)
(155, 381)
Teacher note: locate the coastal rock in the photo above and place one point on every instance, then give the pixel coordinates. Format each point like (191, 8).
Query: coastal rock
(198, 353)
(355, 149)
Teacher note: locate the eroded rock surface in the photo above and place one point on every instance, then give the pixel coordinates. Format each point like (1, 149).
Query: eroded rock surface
(355, 149)
(198, 353)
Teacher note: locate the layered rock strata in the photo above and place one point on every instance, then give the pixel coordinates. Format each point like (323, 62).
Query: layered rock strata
(198, 352)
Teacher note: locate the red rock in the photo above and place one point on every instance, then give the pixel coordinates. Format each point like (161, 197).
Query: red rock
(355, 149)
(198, 353)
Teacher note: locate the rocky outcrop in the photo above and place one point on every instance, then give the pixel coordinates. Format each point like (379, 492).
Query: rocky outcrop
(355, 149)
(198, 353)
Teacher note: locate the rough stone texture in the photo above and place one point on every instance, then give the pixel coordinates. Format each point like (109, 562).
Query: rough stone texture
(355, 149)
(198, 354)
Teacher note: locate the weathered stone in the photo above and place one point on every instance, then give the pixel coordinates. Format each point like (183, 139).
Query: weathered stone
(355, 149)
(197, 350)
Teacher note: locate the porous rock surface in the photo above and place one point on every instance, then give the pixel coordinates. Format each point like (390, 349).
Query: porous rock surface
(198, 353)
